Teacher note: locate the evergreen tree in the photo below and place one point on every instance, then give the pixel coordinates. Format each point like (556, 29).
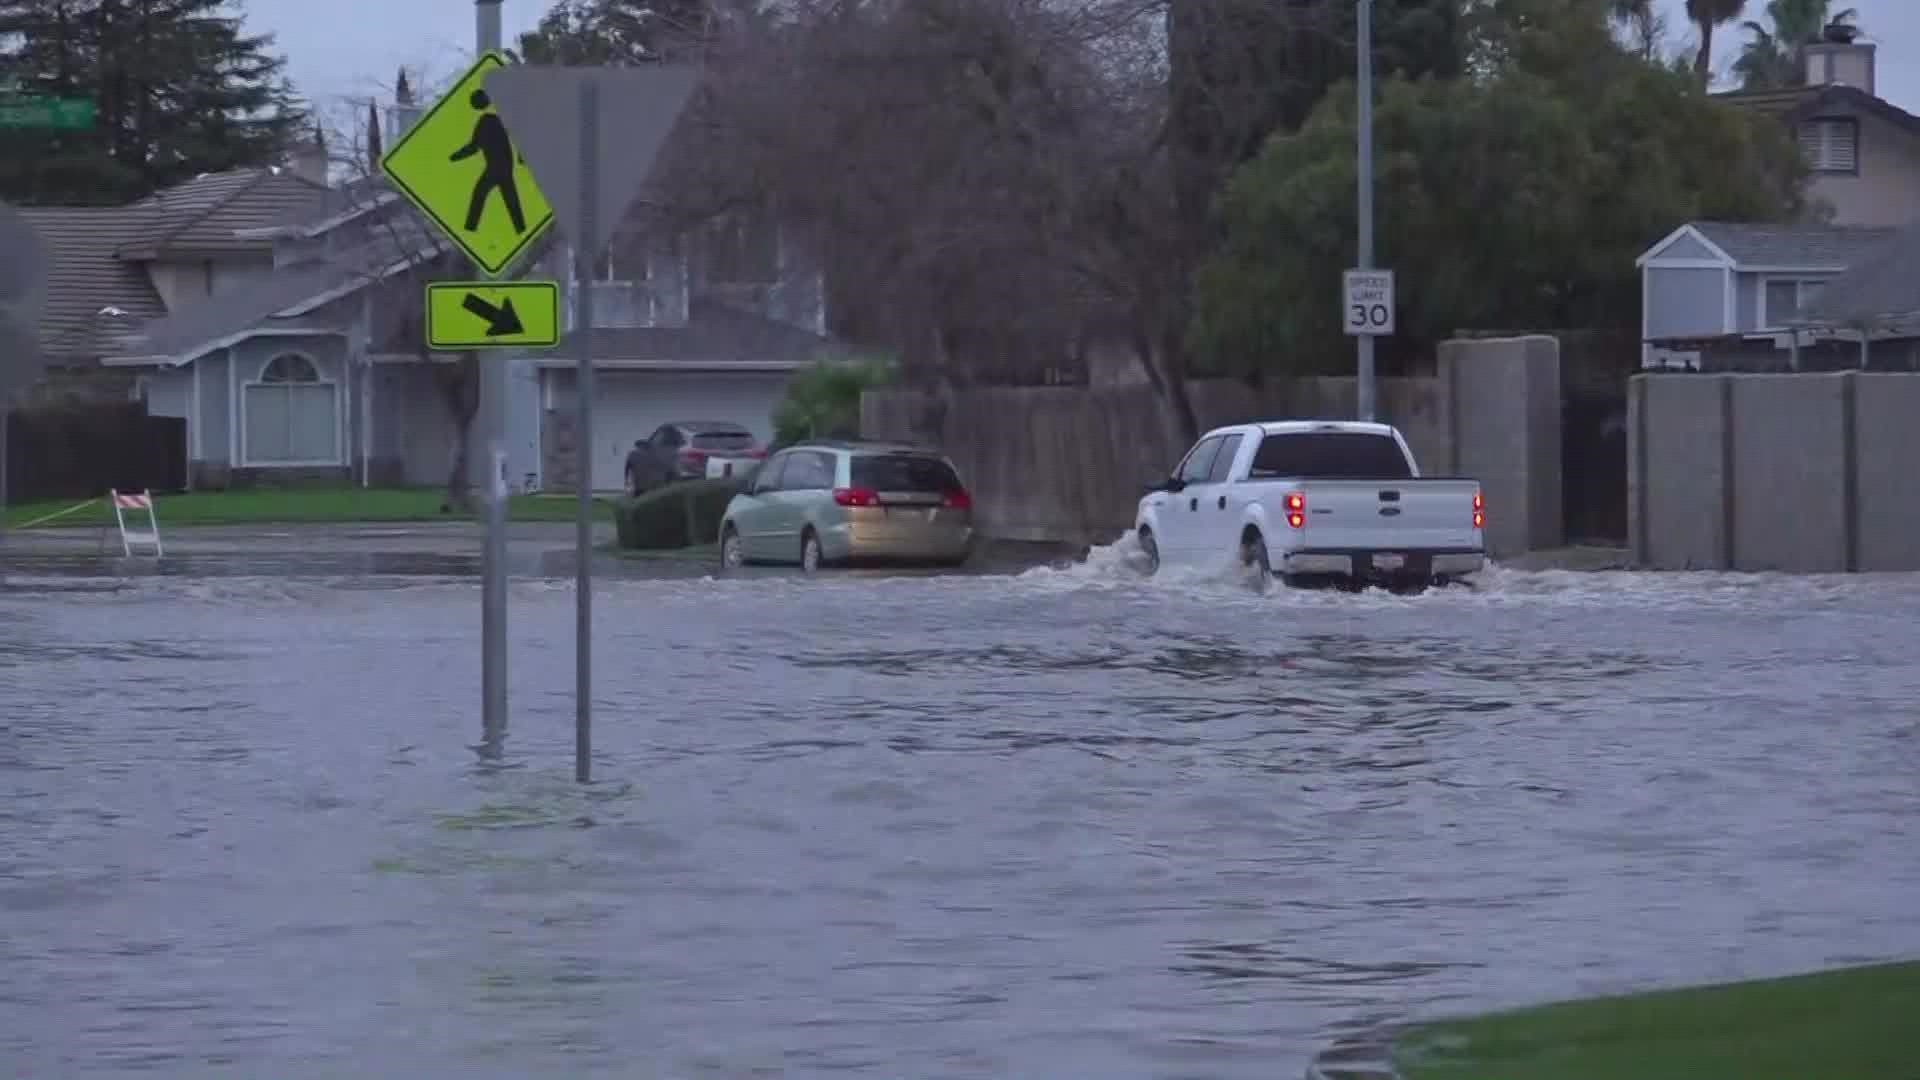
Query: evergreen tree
(178, 88)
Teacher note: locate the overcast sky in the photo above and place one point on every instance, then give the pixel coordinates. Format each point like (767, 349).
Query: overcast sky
(351, 48)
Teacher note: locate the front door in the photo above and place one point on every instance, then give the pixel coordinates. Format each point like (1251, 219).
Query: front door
(754, 515)
(807, 478)
(1218, 516)
(1182, 523)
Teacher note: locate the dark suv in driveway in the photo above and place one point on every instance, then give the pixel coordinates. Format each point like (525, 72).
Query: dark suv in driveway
(689, 450)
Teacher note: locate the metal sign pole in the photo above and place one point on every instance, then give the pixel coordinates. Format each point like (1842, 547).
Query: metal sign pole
(583, 277)
(493, 561)
(1363, 49)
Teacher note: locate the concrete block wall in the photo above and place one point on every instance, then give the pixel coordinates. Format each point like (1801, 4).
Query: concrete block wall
(1505, 397)
(1887, 470)
(1805, 473)
(1069, 463)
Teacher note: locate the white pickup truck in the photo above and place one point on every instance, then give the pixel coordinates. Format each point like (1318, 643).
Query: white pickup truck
(1316, 502)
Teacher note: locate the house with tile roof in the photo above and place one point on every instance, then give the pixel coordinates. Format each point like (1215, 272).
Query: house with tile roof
(281, 318)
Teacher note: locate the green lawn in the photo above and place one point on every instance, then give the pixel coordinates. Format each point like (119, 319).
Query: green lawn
(1850, 1024)
(292, 505)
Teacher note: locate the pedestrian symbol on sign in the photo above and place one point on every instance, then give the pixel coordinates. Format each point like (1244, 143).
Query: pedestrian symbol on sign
(491, 142)
(460, 165)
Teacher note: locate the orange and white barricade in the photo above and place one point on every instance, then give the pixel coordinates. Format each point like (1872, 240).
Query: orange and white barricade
(128, 505)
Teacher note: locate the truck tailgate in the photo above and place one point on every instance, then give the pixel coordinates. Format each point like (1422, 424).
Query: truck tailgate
(1388, 515)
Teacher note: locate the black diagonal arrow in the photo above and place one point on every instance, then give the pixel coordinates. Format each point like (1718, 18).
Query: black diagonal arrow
(501, 321)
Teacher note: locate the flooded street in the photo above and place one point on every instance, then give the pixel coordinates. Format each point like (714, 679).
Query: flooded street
(1062, 823)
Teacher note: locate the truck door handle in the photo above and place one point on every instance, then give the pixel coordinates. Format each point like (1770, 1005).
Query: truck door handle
(1223, 502)
(1193, 504)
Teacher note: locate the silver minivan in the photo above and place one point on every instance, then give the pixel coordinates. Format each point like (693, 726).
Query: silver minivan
(822, 502)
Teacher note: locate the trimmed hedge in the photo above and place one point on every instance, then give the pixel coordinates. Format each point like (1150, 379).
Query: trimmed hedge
(679, 515)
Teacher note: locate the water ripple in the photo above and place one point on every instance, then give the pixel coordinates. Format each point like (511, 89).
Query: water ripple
(1068, 823)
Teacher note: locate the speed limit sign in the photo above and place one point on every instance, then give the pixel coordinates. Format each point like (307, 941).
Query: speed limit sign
(1366, 306)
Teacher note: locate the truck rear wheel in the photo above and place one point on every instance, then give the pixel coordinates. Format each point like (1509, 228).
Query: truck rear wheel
(1253, 556)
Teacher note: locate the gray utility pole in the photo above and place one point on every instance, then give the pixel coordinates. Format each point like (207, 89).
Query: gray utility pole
(590, 181)
(583, 258)
(1363, 49)
(493, 561)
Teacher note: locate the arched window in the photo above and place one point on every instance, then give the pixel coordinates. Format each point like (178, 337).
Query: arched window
(292, 414)
(289, 367)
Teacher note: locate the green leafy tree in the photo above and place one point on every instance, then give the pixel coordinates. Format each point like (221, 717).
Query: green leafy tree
(179, 89)
(1771, 57)
(823, 402)
(1518, 198)
(583, 32)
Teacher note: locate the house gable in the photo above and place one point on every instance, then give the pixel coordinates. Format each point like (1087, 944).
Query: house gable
(1682, 247)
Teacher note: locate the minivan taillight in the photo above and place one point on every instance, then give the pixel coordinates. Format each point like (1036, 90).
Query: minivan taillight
(1296, 505)
(1479, 511)
(958, 499)
(856, 497)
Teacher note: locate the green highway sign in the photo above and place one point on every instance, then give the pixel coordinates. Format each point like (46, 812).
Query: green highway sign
(64, 114)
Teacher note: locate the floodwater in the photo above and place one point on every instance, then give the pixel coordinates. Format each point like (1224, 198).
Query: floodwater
(1066, 823)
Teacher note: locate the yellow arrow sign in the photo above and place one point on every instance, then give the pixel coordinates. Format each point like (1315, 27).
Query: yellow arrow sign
(460, 167)
(493, 315)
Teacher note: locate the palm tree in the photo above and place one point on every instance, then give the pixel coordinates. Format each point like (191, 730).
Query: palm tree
(1708, 14)
(1771, 57)
(1644, 21)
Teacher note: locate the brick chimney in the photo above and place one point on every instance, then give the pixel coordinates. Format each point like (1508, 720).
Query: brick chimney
(1838, 59)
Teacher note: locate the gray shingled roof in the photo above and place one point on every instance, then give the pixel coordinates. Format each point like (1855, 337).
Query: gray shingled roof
(200, 217)
(189, 333)
(96, 288)
(87, 278)
(714, 333)
(1798, 247)
(1796, 103)
(1884, 286)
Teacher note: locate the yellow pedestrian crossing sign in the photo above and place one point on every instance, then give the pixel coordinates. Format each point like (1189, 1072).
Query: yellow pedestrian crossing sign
(460, 167)
(493, 315)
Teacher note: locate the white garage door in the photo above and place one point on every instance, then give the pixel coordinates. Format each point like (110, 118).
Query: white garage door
(629, 405)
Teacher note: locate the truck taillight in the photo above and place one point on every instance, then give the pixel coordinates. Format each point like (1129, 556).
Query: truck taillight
(1296, 505)
(1479, 511)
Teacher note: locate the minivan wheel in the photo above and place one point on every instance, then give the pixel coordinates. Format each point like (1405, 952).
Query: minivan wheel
(809, 552)
(733, 554)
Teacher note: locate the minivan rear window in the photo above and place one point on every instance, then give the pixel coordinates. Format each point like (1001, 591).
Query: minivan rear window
(1330, 455)
(903, 472)
(722, 440)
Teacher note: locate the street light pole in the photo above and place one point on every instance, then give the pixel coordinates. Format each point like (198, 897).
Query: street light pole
(493, 570)
(1363, 152)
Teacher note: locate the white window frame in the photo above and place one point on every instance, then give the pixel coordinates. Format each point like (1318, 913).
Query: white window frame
(1824, 130)
(1764, 318)
(616, 289)
(339, 421)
